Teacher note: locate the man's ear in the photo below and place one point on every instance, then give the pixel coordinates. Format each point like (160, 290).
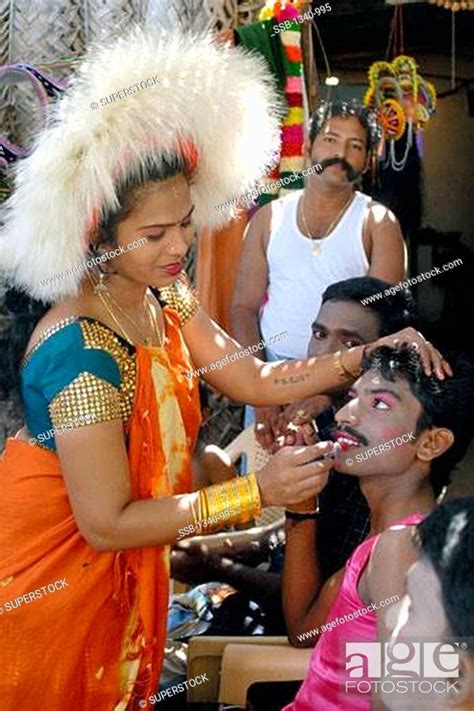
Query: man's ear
(433, 443)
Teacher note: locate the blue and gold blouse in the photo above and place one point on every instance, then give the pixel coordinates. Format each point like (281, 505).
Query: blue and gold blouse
(80, 372)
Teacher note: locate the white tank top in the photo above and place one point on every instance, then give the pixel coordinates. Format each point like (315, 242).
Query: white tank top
(298, 278)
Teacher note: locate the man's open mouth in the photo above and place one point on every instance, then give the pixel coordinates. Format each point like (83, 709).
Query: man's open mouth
(348, 439)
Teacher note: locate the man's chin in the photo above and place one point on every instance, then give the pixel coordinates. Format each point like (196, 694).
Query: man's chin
(337, 181)
(346, 463)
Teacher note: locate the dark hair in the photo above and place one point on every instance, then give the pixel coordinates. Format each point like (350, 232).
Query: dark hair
(446, 403)
(344, 109)
(23, 313)
(128, 192)
(446, 539)
(394, 312)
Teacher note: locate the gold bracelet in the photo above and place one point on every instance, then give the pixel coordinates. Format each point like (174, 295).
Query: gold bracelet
(234, 501)
(180, 297)
(255, 495)
(305, 513)
(196, 517)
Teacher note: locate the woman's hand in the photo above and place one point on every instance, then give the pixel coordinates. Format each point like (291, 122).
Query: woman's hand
(295, 424)
(292, 476)
(303, 411)
(430, 356)
(266, 420)
(299, 435)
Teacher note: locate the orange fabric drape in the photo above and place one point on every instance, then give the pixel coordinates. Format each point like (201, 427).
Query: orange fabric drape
(216, 268)
(97, 643)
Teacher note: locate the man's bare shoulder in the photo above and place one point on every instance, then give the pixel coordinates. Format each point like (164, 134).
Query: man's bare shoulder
(378, 212)
(259, 227)
(396, 544)
(262, 215)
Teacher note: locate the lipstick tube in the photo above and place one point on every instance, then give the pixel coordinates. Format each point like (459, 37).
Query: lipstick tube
(336, 449)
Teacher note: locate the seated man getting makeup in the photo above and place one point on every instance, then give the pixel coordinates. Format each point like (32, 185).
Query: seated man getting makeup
(403, 432)
(342, 322)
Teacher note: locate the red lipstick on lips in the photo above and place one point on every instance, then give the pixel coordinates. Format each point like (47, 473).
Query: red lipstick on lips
(347, 440)
(174, 268)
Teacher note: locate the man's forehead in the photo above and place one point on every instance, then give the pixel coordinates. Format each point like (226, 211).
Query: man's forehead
(374, 380)
(347, 123)
(345, 315)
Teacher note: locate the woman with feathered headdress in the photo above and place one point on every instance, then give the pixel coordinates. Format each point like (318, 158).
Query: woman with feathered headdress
(155, 131)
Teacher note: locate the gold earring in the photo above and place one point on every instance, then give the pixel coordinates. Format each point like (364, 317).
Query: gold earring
(101, 287)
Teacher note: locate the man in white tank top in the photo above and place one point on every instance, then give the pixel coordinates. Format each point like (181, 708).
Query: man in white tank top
(298, 245)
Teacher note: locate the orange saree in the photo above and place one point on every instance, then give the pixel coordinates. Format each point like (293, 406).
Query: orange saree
(95, 640)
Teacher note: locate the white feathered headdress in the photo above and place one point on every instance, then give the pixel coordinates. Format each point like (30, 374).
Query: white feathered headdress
(219, 98)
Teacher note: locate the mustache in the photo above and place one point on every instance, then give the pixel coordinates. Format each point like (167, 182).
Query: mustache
(351, 431)
(348, 169)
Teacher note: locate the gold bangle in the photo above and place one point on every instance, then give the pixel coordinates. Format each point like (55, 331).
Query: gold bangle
(203, 505)
(180, 297)
(193, 509)
(234, 501)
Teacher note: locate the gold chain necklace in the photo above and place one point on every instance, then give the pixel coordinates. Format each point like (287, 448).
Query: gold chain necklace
(316, 249)
(152, 321)
(115, 319)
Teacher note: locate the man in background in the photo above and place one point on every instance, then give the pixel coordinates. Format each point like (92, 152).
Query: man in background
(298, 245)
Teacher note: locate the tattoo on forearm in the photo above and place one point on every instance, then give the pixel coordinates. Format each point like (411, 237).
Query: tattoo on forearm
(291, 379)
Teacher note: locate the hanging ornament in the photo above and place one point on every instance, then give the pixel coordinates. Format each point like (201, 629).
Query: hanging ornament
(392, 119)
(404, 103)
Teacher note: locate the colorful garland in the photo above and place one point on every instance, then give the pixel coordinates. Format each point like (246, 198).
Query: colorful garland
(280, 10)
(291, 160)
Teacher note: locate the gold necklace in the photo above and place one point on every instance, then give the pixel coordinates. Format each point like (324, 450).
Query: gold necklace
(151, 319)
(143, 337)
(115, 319)
(316, 249)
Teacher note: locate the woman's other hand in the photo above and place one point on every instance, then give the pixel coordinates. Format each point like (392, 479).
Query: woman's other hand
(430, 356)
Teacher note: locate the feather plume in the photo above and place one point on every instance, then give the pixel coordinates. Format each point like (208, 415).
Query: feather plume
(219, 98)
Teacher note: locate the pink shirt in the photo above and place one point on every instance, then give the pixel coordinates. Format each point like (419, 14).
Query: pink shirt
(324, 686)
